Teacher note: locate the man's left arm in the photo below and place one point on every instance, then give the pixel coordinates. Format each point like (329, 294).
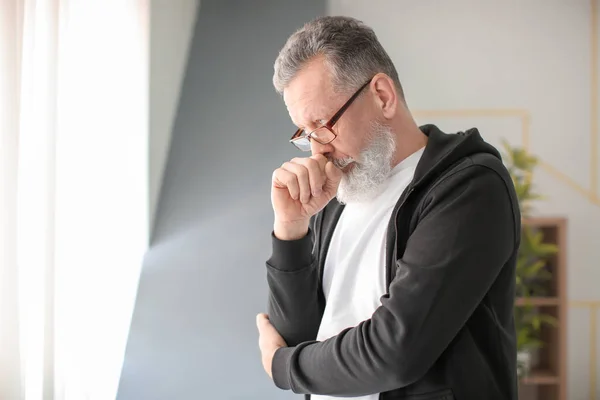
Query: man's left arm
(467, 232)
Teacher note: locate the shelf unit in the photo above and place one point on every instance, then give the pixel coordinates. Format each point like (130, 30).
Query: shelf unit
(548, 377)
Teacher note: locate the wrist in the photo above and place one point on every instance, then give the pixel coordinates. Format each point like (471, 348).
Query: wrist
(290, 230)
(269, 361)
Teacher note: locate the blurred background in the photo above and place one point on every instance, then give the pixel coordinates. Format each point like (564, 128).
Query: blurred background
(138, 139)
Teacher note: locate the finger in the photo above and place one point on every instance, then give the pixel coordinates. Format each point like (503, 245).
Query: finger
(316, 173)
(334, 176)
(302, 176)
(321, 159)
(284, 179)
(264, 326)
(260, 320)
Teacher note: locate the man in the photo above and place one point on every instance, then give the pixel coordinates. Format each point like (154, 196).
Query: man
(392, 273)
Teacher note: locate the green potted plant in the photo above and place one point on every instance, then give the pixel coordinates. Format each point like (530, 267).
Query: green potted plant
(531, 271)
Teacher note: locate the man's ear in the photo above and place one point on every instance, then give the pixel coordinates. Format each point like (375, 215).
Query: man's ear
(386, 94)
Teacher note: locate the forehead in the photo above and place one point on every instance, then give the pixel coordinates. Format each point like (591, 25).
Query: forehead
(309, 96)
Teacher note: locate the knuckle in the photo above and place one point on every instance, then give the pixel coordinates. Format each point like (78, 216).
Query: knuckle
(281, 175)
(319, 158)
(289, 179)
(301, 171)
(307, 162)
(312, 166)
(311, 162)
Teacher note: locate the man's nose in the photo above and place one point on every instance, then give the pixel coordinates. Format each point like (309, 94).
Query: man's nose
(318, 148)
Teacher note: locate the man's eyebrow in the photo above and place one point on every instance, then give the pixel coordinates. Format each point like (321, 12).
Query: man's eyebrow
(314, 122)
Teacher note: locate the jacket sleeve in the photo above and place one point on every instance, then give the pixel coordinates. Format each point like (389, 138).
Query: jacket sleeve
(292, 277)
(466, 232)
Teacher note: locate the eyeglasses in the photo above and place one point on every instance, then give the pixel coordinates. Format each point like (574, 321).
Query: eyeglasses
(323, 134)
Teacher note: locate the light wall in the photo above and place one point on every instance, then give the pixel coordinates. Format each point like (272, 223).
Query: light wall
(477, 63)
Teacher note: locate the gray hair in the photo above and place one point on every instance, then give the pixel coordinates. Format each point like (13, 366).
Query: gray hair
(351, 50)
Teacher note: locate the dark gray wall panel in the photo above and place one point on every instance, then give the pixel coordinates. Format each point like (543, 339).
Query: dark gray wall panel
(193, 332)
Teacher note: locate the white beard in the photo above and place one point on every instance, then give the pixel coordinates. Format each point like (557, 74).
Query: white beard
(365, 180)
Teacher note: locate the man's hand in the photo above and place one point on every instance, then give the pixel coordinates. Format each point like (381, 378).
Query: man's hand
(269, 340)
(300, 189)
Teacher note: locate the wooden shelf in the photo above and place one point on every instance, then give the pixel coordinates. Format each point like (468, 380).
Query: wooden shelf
(544, 222)
(538, 301)
(541, 377)
(548, 378)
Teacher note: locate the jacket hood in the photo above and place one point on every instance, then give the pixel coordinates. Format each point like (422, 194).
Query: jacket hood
(444, 149)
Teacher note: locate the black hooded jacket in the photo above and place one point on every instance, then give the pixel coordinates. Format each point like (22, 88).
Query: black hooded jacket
(445, 327)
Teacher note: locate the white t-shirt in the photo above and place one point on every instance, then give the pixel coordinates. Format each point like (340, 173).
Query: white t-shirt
(355, 273)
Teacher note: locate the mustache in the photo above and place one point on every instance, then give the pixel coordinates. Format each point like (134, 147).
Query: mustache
(342, 163)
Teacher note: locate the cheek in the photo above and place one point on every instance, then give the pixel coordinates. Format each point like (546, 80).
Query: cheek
(343, 149)
(352, 140)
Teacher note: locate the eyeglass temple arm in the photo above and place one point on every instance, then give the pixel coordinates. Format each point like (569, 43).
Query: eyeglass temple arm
(341, 111)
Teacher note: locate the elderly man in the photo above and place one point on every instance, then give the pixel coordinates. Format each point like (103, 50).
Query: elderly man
(392, 273)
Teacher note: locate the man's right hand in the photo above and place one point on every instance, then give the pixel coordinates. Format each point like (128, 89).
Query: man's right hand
(300, 189)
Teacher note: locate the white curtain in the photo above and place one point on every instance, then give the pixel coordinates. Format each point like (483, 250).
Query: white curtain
(73, 192)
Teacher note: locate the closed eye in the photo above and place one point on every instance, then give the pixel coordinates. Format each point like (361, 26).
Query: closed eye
(299, 133)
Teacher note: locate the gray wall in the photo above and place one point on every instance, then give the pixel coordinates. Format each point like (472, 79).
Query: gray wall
(193, 333)
(171, 31)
